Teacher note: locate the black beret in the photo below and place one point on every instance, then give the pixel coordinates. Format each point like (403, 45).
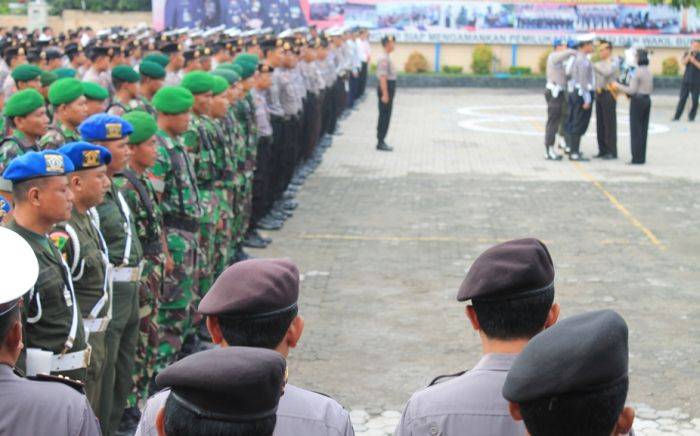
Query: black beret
(583, 353)
(253, 289)
(513, 269)
(235, 384)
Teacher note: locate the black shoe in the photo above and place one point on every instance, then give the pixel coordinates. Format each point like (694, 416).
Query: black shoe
(600, 156)
(382, 146)
(635, 163)
(550, 154)
(608, 156)
(578, 157)
(290, 204)
(264, 238)
(130, 420)
(675, 119)
(270, 224)
(242, 255)
(252, 241)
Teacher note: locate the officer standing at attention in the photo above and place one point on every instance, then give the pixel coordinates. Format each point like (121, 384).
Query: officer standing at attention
(66, 96)
(691, 82)
(386, 73)
(42, 404)
(51, 315)
(261, 296)
(176, 185)
(143, 203)
(83, 248)
(555, 94)
(125, 253)
(27, 76)
(238, 396)
(152, 77)
(572, 372)
(640, 88)
(26, 113)
(511, 286)
(606, 73)
(126, 85)
(581, 98)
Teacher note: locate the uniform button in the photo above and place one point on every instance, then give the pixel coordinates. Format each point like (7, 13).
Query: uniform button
(433, 428)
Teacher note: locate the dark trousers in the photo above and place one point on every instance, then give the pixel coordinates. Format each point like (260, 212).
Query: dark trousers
(578, 121)
(277, 152)
(640, 107)
(261, 180)
(606, 117)
(694, 92)
(312, 113)
(555, 111)
(354, 86)
(385, 110)
(363, 80)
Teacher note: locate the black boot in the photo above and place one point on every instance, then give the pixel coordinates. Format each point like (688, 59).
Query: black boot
(382, 146)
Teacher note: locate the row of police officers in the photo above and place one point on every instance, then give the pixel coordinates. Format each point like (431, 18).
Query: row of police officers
(139, 184)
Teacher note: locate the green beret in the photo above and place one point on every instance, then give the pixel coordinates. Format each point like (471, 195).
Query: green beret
(220, 85)
(248, 58)
(64, 72)
(158, 58)
(125, 73)
(173, 100)
(144, 126)
(198, 82)
(152, 70)
(94, 91)
(229, 75)
(226, 66)
(48, 77)
(247, 69)
(26, 72)
(23, 103)
(238, 70)
(64, 91)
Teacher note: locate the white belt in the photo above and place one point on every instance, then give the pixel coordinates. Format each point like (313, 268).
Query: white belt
(554, 88)
(70, 361)
(126, 274)
(96, 325)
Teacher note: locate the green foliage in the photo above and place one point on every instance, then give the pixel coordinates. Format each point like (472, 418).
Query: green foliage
(57, 6)
(482, 58)
(416, 63)
(670, 67)
(520, 71)
(542, 62)
(452, 69)
(678, 4)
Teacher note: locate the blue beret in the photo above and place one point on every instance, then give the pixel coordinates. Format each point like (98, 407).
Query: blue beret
(32, 165)
(104, 127)
(5, 207)
(556, 42)
(85, 155)
(571, 43)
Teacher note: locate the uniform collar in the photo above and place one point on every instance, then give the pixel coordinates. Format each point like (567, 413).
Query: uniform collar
(495, 362)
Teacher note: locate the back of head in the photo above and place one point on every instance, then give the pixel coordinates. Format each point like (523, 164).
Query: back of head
(511, 286)
(572, 379)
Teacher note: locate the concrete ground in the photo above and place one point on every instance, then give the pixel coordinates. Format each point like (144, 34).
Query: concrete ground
(384, 240)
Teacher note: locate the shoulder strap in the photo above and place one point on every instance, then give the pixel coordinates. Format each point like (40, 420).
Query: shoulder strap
(177, 168)
(75, 244)
(114, 103)
(142, 192)
(441, 378)
(75, 384)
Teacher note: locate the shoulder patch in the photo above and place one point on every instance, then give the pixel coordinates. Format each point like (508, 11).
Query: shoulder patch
(59, 238)
(75, 384)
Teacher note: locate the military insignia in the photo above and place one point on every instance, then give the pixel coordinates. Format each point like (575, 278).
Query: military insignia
(54, 163)
(91, 158)
(287, 46)
(113, 130)
(59, 239)
(20, 51)
(196, 54)
(207, 51)
(42, 55)
(110, 52)
(279, 43)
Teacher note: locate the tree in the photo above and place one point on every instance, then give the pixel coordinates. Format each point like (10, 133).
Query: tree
(57, 6)
(678, 4)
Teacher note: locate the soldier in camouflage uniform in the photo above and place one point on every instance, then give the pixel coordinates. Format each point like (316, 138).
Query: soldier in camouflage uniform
(66, 97)
(152, 77)
(174, 180)
(126, 84)
(27, 114)
(84, 249)
(141, 197)
(200, 143)
(226, 167)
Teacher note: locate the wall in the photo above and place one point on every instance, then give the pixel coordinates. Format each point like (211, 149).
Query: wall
(526, 55)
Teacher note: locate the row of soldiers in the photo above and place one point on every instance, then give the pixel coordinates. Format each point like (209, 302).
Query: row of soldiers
(139, 184)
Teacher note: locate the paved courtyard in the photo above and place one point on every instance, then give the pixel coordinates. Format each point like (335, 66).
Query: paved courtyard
(384, 240)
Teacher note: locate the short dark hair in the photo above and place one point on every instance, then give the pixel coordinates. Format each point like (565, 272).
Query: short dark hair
(118, 83)
(642, 57)
(179, 421)
(264, 332)
(21, 189)
(7, 320)
(607, 43)
(578, 414)
(519, 318)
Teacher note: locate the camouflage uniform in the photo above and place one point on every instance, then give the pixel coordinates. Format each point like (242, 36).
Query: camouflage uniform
(173, 177)
(235, 131)
(246, 114)
(58, 135)
(10, 148)
(225, 190)
(141, 197)
(85, 251)
(199, 141)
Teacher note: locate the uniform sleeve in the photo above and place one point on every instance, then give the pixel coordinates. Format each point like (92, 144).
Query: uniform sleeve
(383, 67)
(634, 85)
(160, 169)
(89, 424)
(403, 429)
(347, 429)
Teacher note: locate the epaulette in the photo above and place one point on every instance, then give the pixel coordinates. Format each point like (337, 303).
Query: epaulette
(442, 378)
(75, 384)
